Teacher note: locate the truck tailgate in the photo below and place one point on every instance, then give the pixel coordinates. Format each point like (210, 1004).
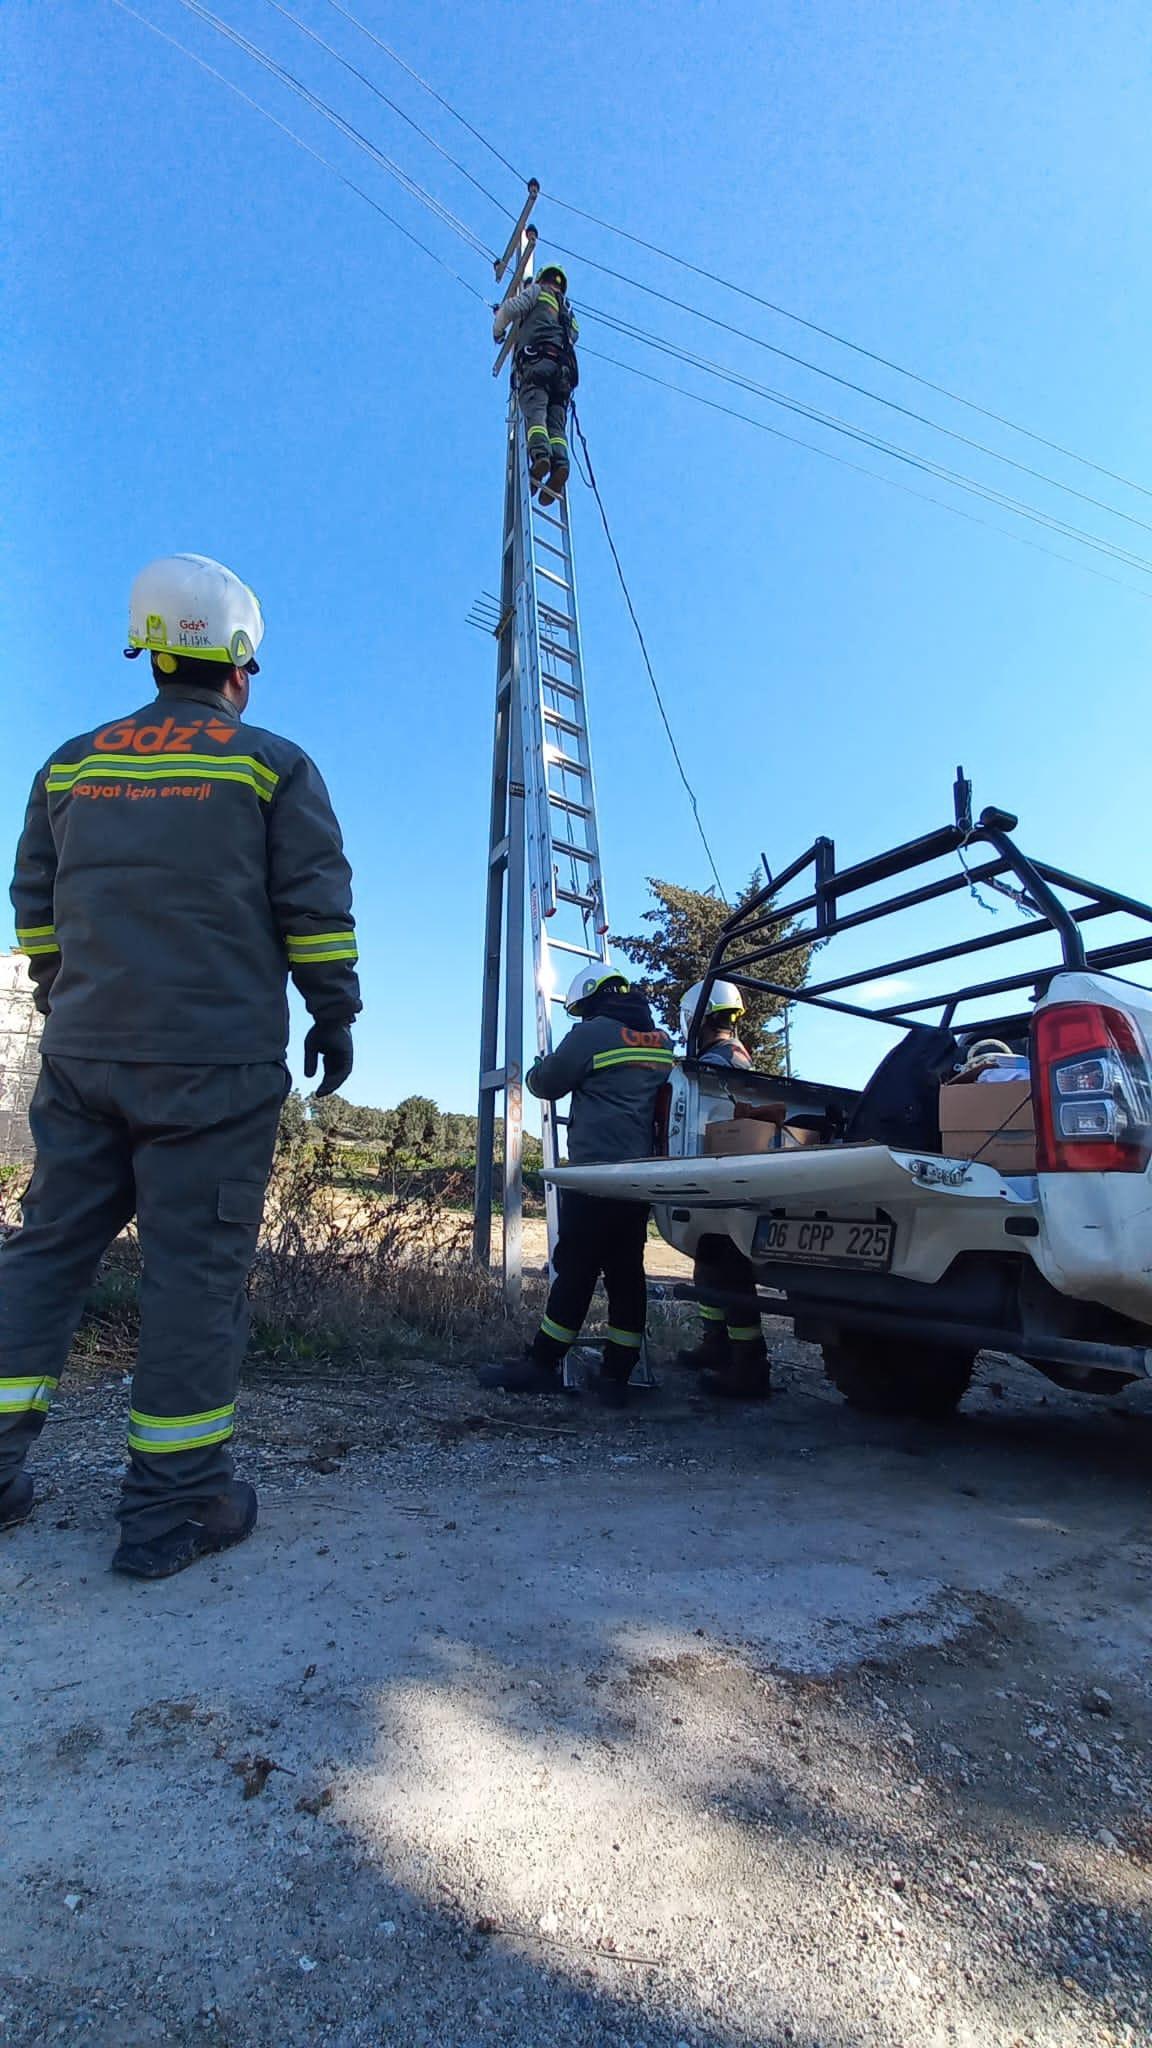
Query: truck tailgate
(851, 1175)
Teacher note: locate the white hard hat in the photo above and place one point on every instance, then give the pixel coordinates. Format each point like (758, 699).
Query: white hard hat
(724, 1000)
(190, 605)
(595, 976)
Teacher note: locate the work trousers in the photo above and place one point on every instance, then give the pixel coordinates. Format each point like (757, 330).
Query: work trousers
(187, 1151)
(726, 1271)
(597, 1237)
(544, 392)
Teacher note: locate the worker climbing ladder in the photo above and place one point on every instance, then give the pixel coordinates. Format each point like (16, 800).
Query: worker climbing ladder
(544, 846)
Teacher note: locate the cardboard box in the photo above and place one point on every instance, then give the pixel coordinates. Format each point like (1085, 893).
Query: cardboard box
(729, 1135)
(989, 1121)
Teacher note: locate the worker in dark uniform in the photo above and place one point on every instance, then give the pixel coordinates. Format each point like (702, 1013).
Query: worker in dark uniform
(613, 1063)
(175, 867)
(731, 1356)
(545, 370)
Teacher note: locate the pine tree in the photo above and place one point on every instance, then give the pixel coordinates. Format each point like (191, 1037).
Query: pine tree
(675, 953)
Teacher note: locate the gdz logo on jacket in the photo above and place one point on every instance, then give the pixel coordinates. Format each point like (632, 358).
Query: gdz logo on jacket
(166, 738)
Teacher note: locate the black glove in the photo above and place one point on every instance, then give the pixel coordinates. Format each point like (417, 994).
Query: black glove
(331, 1043)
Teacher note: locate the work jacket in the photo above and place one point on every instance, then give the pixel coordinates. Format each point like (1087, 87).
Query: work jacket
(175, 866)
(727, 1052)
(613, 1065)
(545, 326)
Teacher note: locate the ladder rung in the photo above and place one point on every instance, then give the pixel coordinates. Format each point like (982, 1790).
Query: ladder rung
(573, 852)
(554, 647)
(552, 577)
(565, 803)
(558, 683)
(563, 724)
(565, 946)
(570, 766)
(546, 518)
(573, 896)
(552, 549)
(556, 617)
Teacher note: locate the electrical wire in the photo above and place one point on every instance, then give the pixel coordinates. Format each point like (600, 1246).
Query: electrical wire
(296, 85)
(861, 469)
(864, 435)
(787, 355)
(431, 89)
(396, 109)
(615, 362)
(204, 65)
(843, 341)
(595, 489)
(742, 291)
(849, 384)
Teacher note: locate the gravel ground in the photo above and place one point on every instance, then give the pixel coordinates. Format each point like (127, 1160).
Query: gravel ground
(533, 1725)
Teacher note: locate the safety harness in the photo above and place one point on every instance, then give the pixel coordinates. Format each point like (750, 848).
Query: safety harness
(562, 352)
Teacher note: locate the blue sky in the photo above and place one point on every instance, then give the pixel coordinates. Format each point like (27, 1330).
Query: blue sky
(213, 345)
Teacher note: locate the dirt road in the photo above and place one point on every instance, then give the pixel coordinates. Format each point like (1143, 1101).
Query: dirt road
(565, 1730)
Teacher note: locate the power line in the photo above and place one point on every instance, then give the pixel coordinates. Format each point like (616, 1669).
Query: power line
(396, 109)
(286, 77)
(595, 488)
(204, 65)
(861, 469)
(742, 291)
(642, 334)
(431, 89)
(864, 435)
(843, 341)
(849, 384)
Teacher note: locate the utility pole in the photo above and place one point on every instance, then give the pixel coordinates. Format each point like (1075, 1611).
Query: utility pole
(545, 890)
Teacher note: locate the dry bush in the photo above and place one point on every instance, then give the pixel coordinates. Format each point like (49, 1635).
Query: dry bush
(359, 1259)
(347, 1263)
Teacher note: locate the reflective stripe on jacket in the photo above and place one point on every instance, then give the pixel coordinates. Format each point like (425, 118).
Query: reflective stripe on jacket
(175, 866)
(614, 1074)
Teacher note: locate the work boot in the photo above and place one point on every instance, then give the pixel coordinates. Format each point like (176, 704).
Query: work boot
(747, 1376)
(617, 1364)
(527, 1375)
(711, 1353)
(227, 1520)
(539, 463)
(16, 1501)
(550, 491)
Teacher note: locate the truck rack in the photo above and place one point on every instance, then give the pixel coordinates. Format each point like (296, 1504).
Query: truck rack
(1035, 894)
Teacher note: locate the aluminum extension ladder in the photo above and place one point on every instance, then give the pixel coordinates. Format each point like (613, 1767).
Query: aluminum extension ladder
(544, 846)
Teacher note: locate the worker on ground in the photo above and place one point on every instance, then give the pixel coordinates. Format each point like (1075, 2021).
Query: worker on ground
(175, 867)
(731, 1357)
(613, 1063)
(545, 372)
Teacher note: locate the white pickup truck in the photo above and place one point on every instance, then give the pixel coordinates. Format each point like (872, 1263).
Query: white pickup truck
(901, 1261)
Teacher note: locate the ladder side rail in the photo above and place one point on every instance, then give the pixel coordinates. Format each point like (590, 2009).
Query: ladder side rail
(513, 1265)
(533, 699)
(499, 843)
(541, 881)
(599, 934)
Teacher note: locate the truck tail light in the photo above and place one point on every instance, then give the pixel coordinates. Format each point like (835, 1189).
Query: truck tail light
(1091, 1091)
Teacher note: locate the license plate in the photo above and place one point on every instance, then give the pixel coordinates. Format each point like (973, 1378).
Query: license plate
(823, 1241)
